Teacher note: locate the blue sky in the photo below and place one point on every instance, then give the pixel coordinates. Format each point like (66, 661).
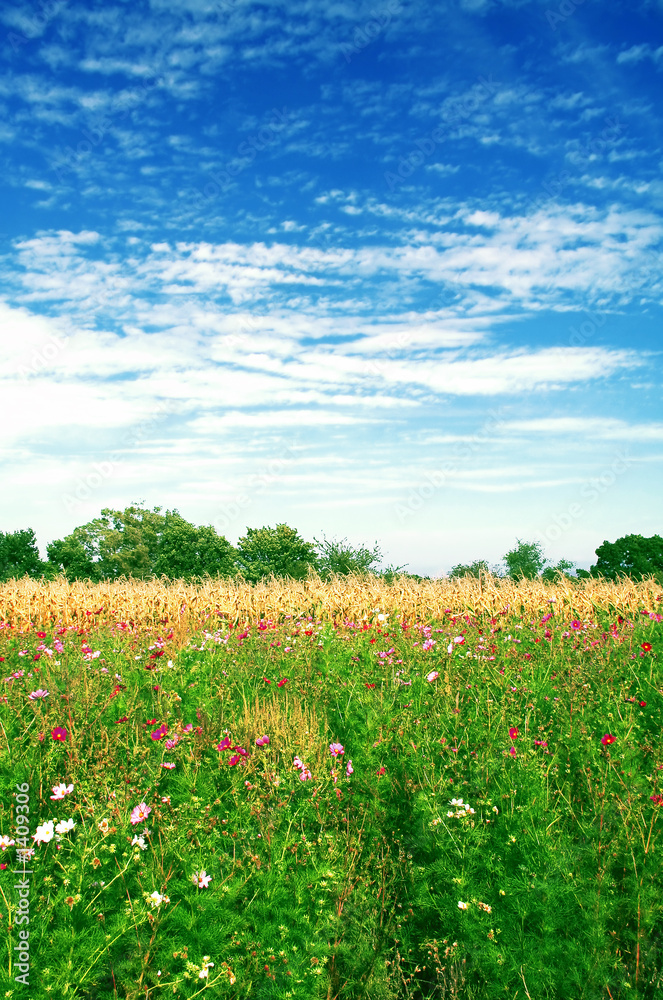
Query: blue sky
(388, 271)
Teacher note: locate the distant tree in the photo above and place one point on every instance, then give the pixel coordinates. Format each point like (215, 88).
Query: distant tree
(476, 569)
(279, 550)
(562, 569)
(76, 556)
(141, 543)
(525, 561)
(19, 555)
(632, 556)
(185, 551)
(342, 558)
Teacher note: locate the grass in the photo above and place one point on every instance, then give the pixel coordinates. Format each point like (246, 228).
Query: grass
(432, 749)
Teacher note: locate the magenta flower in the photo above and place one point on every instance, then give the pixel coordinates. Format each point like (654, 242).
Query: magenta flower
(224, 744)
(284, 680)
(168, 766)
(512, 751)
(59, 733)
(540, 743)
(608, 739)
(513, 732)
(262, 741)
(235, 759)
(169, 744)
(140, 813)
(160, 732)
(349, 769)
(39, 693)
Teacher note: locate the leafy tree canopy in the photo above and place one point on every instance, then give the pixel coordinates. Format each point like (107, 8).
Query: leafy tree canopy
(632, 556)
(476, 569)
(342, 558)
(525, 561)
(141, 543)
(19, 555)
(279, 550)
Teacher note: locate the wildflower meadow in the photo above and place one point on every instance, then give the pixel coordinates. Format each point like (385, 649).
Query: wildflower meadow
(331, 791)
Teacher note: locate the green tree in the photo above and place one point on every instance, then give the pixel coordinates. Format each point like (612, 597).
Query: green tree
(140, 543)
(77, 555)
(185, 551)
(342, 558)
(279, 550)
(525, 561)
(476, 569)
(632, 556)
(19, 555)
(563, 568)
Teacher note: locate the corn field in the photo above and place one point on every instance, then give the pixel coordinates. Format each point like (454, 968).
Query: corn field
(150, 603)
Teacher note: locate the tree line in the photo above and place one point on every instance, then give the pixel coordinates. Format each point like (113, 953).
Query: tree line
(142, 543)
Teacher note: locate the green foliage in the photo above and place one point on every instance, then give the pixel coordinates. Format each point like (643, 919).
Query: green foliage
(492, 784)
(141, 543)
(343, 559)
(525, 561)
(19, 555)
(477, 569)
(562, 569)
(280, 551)
(185, 551)
(632, 556)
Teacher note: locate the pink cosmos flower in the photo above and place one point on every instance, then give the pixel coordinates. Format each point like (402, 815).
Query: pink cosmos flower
(262, 741)
(513, 732)
(512, 751)
(235, 759)
(336, 749)
(540, 743)
(608, 739)
(140, 813)
(305, 774)
(429, 643)
(167, 765)
(59, 733)
(39, 693)
(349, 769)
(169, 744)
(224, 744)
(59, 791)
(298, 763)
(160, 732)
(201, 879)
(432, 676)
